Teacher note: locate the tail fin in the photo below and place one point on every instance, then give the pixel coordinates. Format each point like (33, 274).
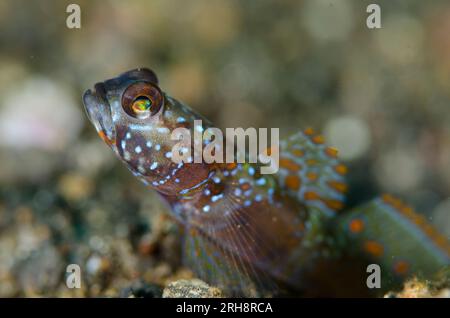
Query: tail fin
(392, 235)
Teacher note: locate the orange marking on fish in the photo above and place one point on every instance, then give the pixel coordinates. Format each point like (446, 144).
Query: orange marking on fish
(309, 131)
(105, 138)
(331, 152)
(289, 164)
(394, 202)
(292, 182)
(311, 162)
(298, 153)
(338, 186)
(430, 231)
(312, 176)
(245, 186)
(401, 267)
(231, 166)
(407, 210)
(442, 242)
(341, 169)
(356, 226)
(374, 248)
(310, 195)
(418, 219)
(386, 197)
(334, 204)
(319, 139)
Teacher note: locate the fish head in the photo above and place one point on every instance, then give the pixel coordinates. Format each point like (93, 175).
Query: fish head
(136, 119)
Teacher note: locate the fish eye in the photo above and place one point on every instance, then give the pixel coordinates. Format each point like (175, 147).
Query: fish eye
(142, 100)
(141, 106)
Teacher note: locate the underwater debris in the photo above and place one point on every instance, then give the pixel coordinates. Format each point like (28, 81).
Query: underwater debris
(418, 288)
(193, 288)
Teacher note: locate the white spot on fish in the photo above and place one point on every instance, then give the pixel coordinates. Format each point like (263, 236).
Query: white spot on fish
(138, 149)
(141, 169)
(140, 127)
(153, 166)
(206, 208)
(215, 198)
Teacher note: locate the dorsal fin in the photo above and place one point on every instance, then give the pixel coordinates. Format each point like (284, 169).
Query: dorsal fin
(389, 233)
(418, 220)
(311, 172)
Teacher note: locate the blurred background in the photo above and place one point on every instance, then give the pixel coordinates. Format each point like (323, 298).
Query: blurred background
(381, 96)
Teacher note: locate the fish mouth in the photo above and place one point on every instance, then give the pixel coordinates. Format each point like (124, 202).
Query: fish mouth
(98, 111)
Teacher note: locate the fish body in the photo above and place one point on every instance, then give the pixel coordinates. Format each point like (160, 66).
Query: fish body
(257, 234)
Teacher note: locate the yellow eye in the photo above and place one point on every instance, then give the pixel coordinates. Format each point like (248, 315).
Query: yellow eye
(141, 105)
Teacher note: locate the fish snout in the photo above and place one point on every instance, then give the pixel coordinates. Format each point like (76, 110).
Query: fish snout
(98, 111)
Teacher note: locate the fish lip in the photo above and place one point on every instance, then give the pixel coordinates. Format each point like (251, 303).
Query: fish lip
(98, 110)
